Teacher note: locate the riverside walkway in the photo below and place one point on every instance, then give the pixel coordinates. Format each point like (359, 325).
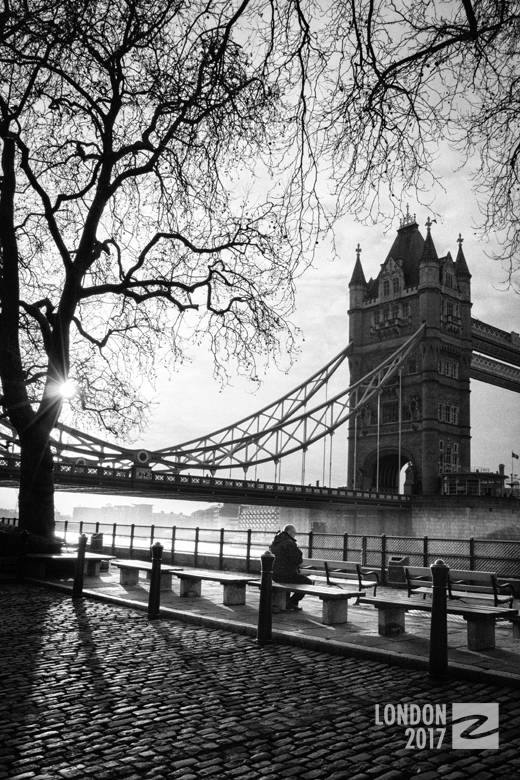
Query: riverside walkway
(93, 689)
(357, 638)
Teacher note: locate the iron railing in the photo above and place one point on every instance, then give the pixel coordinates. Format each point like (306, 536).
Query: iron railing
(500, 556)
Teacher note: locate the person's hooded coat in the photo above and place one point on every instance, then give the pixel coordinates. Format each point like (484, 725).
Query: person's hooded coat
(288, 557)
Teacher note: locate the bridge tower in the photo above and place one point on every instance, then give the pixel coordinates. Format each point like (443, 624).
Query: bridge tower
(421, 419)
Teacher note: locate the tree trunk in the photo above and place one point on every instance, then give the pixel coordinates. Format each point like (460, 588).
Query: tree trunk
(36, 497)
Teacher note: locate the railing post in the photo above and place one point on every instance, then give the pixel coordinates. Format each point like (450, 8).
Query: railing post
(472, 553)
(248, 550)
(154, 596)
(221, 550)
(425, 551)
(152, 534)
(364, 551)
(345, 547)
(77, 587)
(114, 533)
(196, 548)
(438, 665)
(264, 634)
(311, 543)
(132, 532)
(383, 559)
(65, 530)
(97, 527)
(80, 527)
(24, 538)
(172, 554)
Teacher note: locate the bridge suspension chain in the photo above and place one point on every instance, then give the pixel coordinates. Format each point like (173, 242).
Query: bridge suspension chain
(277, 430)
(299, 431)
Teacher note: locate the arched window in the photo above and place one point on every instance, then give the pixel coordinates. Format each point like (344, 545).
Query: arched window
(386, 287)
(395, 284)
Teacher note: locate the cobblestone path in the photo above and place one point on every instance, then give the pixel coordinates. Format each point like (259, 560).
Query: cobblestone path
(91, 690)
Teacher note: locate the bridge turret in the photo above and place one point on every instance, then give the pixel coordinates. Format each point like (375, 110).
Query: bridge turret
(462, 272)
(429, 281)
(357, 289)
(423, 417)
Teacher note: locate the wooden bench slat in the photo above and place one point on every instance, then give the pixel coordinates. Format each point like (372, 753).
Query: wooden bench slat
(462, 584)
(340, 572)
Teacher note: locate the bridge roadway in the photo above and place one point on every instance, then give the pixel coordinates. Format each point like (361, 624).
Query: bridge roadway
(141, 481)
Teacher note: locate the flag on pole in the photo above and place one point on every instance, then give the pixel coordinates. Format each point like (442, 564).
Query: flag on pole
(514, 455)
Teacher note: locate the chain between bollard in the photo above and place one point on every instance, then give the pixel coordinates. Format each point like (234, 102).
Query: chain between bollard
(264, 634)
(438, 664)
(154, 597)
(77, 587)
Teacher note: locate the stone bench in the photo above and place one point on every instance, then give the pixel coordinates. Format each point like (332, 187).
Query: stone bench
(480, 620)
(129, 572)
(234, 585)
(335, 600)
(41, 563)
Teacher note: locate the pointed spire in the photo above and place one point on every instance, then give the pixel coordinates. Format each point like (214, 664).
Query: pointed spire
(429, 252)
(461, 267)
(358, 275)
(408, 219)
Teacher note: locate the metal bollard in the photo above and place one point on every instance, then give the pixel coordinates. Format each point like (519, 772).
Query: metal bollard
(438, 666)
(154, 597)
(264, 634)
(77, 587)
(24, 538)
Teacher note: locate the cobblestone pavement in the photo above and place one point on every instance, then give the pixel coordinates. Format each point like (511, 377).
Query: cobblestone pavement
(359, 636)
(95, 690)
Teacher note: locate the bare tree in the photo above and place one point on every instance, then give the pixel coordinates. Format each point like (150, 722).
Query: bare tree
(157, 188)
(403, 76)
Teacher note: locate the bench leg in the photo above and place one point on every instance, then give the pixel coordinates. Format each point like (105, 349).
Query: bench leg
(129, 576)
(190, 587)
(92, 568)
(334, 611)
(516, 630)
(279, 599)
(481, 634)
(391, 621)
(166, 580)
(234, 594)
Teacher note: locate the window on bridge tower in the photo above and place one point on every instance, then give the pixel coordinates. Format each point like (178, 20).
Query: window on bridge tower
(395, 285)
(386, 287)
(449, 367)
(390, 411)
(448, 456)
(448, 414)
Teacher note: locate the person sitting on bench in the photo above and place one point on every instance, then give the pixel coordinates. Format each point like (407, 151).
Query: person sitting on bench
(288, 558)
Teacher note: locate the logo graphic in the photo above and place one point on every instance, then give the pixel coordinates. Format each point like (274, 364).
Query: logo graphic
(474, 726)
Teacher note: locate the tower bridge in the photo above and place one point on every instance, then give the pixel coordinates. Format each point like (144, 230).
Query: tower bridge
(413, 349)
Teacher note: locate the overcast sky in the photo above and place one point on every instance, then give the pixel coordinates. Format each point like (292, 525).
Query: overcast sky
(192, 403)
